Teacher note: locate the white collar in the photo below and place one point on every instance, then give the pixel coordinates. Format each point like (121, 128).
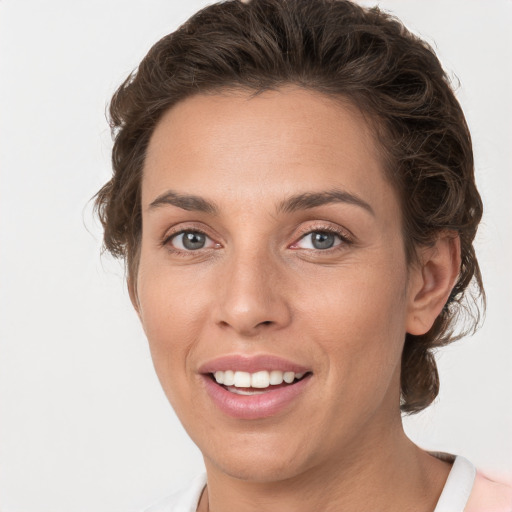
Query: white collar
(458, 486)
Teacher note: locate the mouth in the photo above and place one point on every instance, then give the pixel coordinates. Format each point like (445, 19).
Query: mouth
(255, 387)
(257, 383)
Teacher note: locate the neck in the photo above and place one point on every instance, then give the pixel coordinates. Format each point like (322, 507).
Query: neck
(387, 475)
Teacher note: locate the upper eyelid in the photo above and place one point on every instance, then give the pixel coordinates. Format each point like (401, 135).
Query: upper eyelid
(344, 240)
(179, 229)
(171, 236)
(343, 233)
(168, 244)
(328, 231)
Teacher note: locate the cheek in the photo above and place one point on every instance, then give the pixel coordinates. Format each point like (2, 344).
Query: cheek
(172, 314)
(170, 300)
(359, 325)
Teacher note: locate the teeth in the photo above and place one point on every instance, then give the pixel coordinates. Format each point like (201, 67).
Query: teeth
(276, 377)
(241, 391)
(258, 380)
(242, 380)
(289, 377)
(229, 378)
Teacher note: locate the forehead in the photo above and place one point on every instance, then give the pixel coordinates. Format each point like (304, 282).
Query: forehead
(238, 143)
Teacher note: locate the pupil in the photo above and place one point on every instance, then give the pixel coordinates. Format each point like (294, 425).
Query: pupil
(323, 240)
(193, 241)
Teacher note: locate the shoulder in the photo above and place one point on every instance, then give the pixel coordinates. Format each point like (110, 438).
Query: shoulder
(183, 500)
(489, 496)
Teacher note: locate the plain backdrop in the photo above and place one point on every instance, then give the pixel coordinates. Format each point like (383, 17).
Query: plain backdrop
(84, 425)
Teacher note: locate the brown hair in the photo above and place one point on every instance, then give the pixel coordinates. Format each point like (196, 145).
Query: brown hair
(343, 50)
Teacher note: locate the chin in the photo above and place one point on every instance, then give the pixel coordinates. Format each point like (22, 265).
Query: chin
(258, 458)
(262, 470)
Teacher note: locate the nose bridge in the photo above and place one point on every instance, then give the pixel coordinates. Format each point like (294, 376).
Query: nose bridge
(251, 296)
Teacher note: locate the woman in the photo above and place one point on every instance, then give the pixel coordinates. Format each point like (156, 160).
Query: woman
(293, 193)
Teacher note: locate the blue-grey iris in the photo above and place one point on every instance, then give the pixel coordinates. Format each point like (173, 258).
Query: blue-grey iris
(193, 240)
(322, 240)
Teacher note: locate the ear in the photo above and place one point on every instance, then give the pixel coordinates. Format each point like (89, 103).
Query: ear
(431, 282)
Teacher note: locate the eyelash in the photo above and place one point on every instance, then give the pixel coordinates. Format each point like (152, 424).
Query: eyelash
(178, 252)
(344, 237)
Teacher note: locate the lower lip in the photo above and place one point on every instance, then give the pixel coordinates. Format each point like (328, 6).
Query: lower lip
(251, 407)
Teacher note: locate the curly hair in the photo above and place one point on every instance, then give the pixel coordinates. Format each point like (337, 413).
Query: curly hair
(342, 50)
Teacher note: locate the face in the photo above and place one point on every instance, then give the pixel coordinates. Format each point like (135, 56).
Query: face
(272, 250)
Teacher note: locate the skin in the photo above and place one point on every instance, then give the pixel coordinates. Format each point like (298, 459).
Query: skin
(259, 286)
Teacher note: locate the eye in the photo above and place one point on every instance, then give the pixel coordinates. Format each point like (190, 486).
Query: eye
(319, 240)
(190, 241)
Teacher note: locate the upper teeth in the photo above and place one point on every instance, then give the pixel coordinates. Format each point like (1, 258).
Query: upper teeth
(262, 379)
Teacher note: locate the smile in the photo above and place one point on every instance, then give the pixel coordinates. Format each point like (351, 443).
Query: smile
(256, 387)
(258, 381)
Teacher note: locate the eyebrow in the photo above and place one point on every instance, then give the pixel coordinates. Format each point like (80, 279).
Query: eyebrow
(291, 204)
(185, 202)
(313, 199)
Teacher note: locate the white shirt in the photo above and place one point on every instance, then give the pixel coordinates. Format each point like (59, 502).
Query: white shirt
(454, 497)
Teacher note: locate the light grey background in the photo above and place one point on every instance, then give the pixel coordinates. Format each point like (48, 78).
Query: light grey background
(83, 423)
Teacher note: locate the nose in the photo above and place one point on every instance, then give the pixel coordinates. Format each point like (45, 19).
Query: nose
(252, 295)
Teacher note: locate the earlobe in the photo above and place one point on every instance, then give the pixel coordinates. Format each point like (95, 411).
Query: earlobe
(432, 282)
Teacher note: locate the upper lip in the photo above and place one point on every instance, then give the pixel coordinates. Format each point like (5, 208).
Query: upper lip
(251, 364)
